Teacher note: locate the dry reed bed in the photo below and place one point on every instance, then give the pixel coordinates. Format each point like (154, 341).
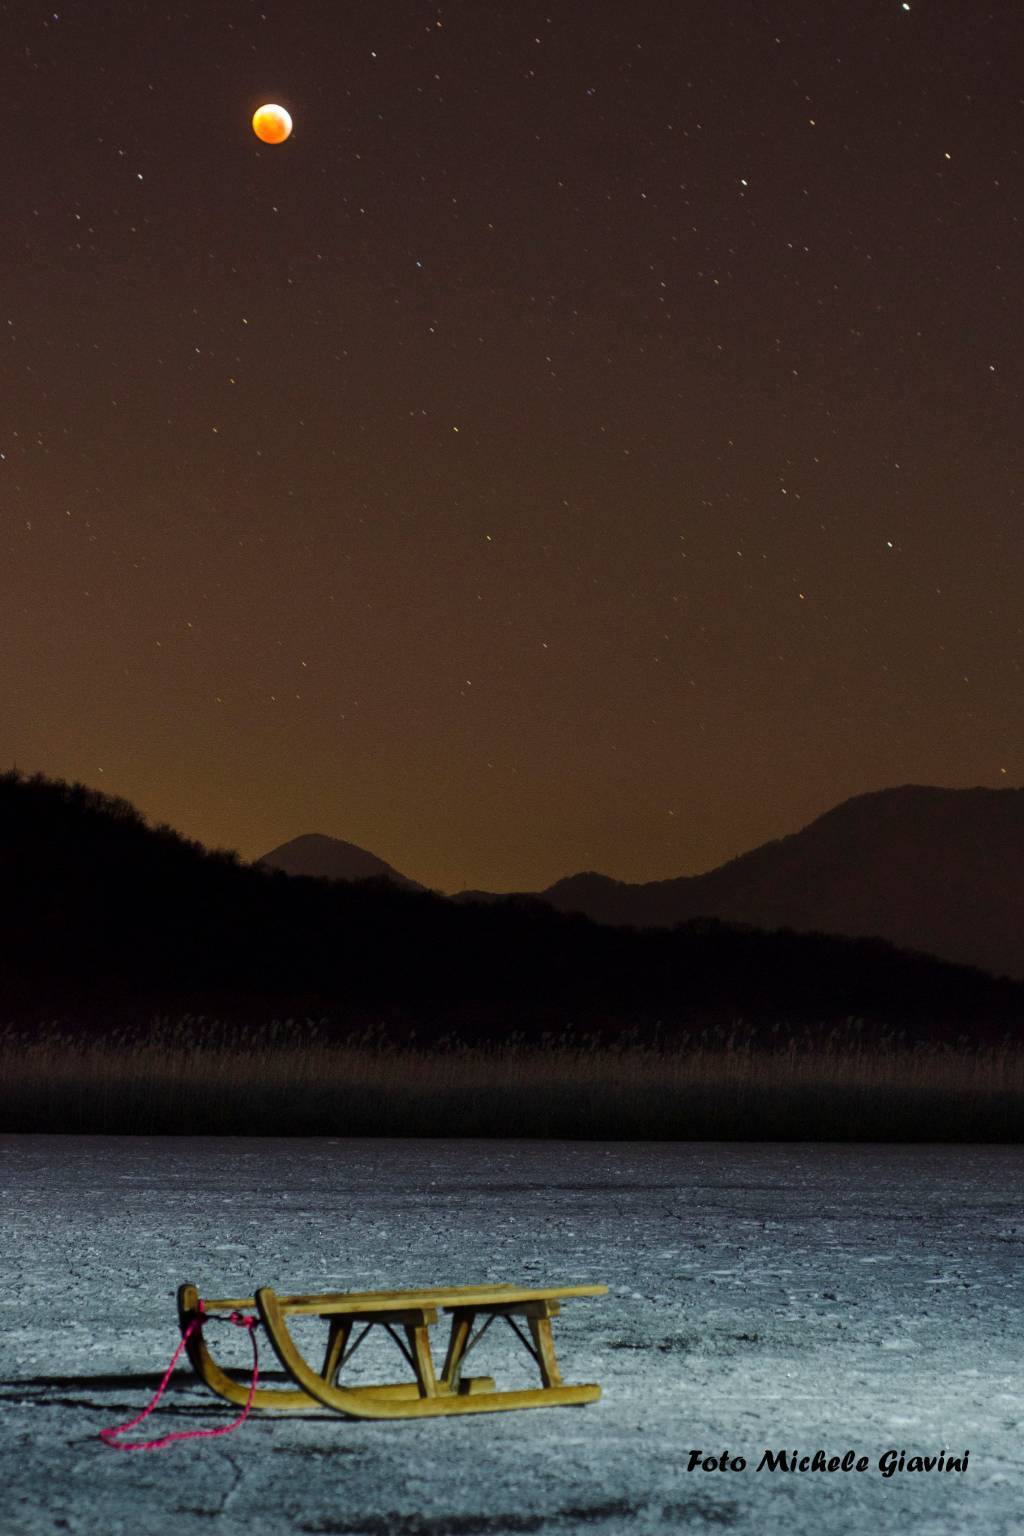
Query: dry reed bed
(288, 1081)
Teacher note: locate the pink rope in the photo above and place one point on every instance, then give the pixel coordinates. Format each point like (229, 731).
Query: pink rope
(109, 1436)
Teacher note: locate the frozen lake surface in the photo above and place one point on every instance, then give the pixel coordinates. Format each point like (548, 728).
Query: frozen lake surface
(789, 1297)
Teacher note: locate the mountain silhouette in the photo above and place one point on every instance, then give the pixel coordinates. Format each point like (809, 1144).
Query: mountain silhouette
(329, 858)
(106, 919)
(939, 871)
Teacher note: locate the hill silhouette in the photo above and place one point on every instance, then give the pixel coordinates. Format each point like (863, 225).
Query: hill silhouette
(939, 871)
(330, 858)
(104, 918)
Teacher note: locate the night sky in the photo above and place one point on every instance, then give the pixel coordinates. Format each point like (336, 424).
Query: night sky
(593, 440)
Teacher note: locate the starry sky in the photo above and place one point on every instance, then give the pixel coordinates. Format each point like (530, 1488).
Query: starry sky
(592, 441)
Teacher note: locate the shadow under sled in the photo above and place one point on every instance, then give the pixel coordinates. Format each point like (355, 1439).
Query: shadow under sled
(408, 1317)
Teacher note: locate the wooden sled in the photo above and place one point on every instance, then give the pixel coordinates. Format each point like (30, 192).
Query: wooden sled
(408, 1317)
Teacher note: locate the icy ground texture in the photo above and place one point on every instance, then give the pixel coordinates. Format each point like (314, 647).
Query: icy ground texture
(779, 1295)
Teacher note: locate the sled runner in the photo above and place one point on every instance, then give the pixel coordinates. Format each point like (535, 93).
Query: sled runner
(408, 1317)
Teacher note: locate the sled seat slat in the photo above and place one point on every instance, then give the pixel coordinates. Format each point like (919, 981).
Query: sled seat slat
(336, 1303)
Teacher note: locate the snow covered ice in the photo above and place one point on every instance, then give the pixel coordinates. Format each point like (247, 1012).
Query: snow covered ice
(780, 1297)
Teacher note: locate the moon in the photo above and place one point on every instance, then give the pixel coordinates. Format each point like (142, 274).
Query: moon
(271, 123)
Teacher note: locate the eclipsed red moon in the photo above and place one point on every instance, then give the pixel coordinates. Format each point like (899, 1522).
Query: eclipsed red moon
(271, 123)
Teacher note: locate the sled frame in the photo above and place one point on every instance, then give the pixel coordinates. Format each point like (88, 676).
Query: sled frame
(407, 1316)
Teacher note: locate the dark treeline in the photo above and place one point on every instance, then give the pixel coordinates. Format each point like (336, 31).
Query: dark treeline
(104, 919)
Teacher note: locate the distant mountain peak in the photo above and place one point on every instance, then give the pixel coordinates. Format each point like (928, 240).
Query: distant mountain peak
(331, 858)
(930, 869)
(586, 878)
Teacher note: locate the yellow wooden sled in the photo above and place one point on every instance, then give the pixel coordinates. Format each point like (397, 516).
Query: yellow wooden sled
(412, 1312)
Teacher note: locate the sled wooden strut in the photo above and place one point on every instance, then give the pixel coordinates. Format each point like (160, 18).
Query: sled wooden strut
(407, 1316)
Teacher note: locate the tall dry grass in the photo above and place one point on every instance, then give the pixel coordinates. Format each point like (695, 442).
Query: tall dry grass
(190, 1078)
